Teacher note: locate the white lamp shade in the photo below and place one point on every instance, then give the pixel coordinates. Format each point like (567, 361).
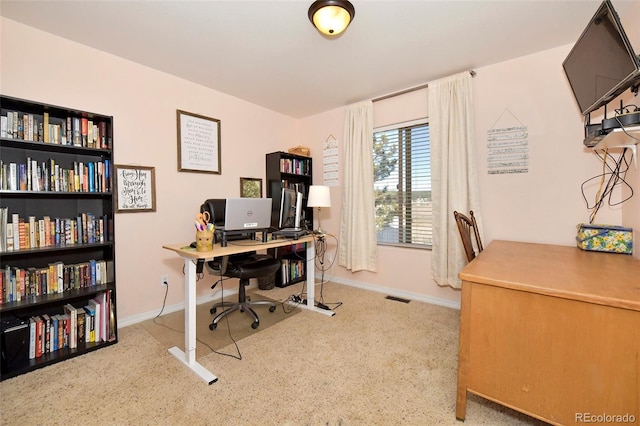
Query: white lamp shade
(319, 196)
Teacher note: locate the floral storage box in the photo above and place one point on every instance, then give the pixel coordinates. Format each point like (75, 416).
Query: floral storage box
(607, 238)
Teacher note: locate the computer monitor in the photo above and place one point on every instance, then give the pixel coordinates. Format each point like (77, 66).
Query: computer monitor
(290, 209)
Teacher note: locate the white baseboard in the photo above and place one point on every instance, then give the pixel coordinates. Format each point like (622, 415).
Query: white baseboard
(398, 293)
(211, 298)
(177, 307)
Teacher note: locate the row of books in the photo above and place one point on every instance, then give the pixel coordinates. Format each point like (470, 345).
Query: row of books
(17, 284)
(291, 248)
(48, 176)
(297, 186)
(31, 233)
(74, 131)
(295, 166)
(73, 328)
(292, 269)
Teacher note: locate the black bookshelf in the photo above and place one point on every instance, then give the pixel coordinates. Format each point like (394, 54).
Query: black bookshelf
(291, 171)
(56, 168)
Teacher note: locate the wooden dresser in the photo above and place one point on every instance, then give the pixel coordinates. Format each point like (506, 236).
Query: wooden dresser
(553, 332)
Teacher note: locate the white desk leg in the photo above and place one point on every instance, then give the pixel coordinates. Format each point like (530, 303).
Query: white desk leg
(188, 356)
(311, 274)
(311, 283)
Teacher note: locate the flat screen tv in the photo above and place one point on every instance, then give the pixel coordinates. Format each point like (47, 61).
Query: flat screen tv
(602, 63)
(290, 209)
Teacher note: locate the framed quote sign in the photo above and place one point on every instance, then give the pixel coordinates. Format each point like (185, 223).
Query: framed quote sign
(135, 189)
(198, 143)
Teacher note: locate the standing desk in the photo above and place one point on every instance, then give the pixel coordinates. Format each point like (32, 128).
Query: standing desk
(551, 331)
(191, 256)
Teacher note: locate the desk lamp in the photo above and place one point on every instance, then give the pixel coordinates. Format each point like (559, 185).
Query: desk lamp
(319, 197)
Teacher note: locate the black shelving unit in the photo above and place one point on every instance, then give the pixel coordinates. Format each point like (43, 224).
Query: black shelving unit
(292, 171)
(43, 184)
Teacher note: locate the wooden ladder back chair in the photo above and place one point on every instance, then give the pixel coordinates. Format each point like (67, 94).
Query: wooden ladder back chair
(467, 226)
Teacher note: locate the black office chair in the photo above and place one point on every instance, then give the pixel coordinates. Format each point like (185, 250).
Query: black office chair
(243, 266)
(467, 225)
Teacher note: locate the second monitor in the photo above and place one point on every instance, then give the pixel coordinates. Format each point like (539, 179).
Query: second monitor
(290, 210)
(290, 215)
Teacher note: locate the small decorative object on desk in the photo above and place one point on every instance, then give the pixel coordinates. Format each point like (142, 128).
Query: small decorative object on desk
(607, 238)
(204, 232)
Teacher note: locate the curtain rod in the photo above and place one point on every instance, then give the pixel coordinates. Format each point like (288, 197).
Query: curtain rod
(412, 89)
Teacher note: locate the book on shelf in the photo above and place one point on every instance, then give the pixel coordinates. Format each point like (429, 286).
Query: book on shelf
(13, 177)
(90, 318)
(27, 235)
(32, 231)
(32, 338)
(54, 333)
(97, 320)
(77, 137)
(39, 336)
(73, 325)
(84, 130)
(9, 125)
(81, 321)
(111, 315)
(41, 233)
(15, 222)
(66, 330)
(3, 126)
(4, 222)
(45, 127)
(90, 140)
(59, 331)
(46, 320)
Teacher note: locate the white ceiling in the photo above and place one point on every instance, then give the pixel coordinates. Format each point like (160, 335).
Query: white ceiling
(268, 53)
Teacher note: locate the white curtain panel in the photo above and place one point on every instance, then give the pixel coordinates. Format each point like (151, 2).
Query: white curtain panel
(454, 184)
(357, 248)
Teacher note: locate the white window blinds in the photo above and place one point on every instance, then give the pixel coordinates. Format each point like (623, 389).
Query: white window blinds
(402, 185)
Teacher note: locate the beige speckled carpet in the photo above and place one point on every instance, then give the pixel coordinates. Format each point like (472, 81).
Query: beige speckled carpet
(169, 329)
(376, 362)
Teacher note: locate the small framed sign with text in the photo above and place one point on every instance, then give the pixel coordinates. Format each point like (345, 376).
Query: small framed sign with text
(135, 189)
(198, 143)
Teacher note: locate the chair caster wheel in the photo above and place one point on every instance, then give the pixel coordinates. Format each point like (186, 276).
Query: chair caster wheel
(272, 308)
(255, 325)
(212, 310)
(212, 326)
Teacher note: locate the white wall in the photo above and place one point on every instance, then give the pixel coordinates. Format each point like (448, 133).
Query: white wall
(631, 209)
(42, 67)
(543, 205)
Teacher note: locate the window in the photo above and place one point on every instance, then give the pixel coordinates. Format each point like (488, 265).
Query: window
(402, 185)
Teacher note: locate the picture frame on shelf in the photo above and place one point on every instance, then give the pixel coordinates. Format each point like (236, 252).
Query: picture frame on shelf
(135, 188)
(199, 141)
(250, 187)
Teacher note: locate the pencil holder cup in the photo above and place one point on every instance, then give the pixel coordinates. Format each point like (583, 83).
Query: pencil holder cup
(204, 240)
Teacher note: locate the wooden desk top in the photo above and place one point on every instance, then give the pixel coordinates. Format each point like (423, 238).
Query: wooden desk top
(233, 247)
(561, 271)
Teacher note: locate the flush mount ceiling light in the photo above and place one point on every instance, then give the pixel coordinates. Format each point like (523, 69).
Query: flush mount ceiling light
(331, 17)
